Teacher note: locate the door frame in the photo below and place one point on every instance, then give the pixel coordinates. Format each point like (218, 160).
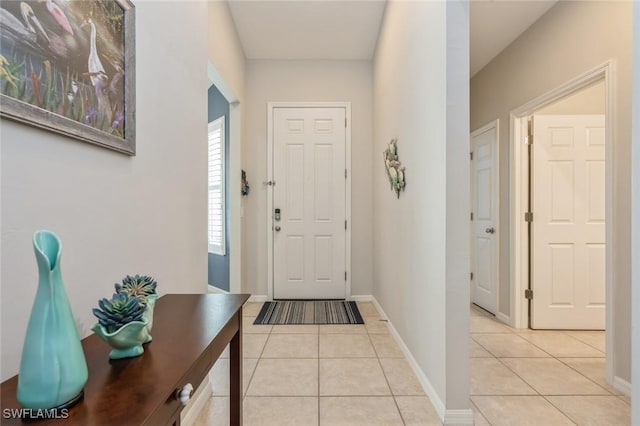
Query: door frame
(519, 191)
(495, 124)
(270, 109)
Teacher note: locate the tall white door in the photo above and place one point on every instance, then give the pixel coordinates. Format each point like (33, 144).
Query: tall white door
(484, 208)
(309, 165)
(568, 228)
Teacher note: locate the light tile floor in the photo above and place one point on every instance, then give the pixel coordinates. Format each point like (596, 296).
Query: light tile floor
(357, 375)
(529, 377)
(321, 375)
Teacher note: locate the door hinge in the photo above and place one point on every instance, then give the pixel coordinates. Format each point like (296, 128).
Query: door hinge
(528, 216)
(471, 215)
(528, 140)
(345, 224)
(471, 155)
(345, 275)
(472, 276)
(345, 173)
(345, 123)
(528, 294)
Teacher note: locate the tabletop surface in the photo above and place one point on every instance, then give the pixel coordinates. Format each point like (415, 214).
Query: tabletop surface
(127, 391)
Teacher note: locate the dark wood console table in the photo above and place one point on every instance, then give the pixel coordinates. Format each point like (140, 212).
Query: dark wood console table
(190, 331)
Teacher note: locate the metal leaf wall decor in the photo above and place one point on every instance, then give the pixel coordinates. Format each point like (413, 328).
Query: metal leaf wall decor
(395, 169)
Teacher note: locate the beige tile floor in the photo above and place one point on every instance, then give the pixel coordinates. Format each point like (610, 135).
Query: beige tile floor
(529, 377)
(357, 375)
(321, 375)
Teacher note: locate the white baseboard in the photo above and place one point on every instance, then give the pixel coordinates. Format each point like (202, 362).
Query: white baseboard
(199, 399)
(424, 382)
(215, 290)
(258, 298)
(458, 417)
(448, 417)
(383, 316)
(622, 385)
(361, 298)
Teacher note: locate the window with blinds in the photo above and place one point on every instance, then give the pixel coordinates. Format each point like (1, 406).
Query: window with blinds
(216, 187)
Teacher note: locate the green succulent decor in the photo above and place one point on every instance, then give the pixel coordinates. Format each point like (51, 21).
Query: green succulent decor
(120, 310)
(140, 286)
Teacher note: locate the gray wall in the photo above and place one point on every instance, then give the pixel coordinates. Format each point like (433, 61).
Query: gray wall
(115, 214)
(219, 265)
(572, 38)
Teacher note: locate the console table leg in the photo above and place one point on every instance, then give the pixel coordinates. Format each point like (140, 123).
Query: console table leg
(235, 358)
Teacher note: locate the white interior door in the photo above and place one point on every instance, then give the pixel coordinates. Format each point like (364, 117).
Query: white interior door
(309, 165)
(568, 228)
(484, 208)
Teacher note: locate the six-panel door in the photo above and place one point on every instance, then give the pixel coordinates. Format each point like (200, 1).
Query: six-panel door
(309, 172)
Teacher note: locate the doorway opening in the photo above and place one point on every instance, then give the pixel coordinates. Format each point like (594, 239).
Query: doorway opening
(225, 261)
(485, 221)
(561, 219)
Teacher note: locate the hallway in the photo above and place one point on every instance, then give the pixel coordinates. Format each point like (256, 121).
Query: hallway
(357, 375)
(321, 375)
(529, 377)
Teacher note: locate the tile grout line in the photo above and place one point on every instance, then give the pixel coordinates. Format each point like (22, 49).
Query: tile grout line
(583, 375)
(395, 401)
(518, 376)
(587, 343)
(481, 413)
(558, 408)
(257, 362)
(500, 359)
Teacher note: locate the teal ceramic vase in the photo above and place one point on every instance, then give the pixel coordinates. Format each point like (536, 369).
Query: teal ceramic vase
(125, 342)
(148, 314)
(53, 369)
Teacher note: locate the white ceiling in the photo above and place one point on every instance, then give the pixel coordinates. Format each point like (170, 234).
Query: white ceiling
(308, 29)
(348, 29)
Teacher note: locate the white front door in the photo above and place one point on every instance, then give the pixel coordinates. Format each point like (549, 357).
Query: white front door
(309, 164)
(568, 228)
(484, 210)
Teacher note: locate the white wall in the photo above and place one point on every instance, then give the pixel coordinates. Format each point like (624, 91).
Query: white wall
(307, 81)
(227, 71)
(115, 214)
(225, 49)
(421, 250)
(570, 39)
(635, 163)
(590, 100)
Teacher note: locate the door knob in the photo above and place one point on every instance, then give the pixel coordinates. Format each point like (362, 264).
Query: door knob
(490, 230)
(277, 228)
(184, 395)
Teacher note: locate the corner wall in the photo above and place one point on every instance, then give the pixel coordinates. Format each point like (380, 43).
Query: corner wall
(115, 214)
(421, 240)
(570, 39)
(312, 81)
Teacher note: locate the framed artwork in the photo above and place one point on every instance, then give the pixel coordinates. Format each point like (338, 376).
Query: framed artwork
(68, 66)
